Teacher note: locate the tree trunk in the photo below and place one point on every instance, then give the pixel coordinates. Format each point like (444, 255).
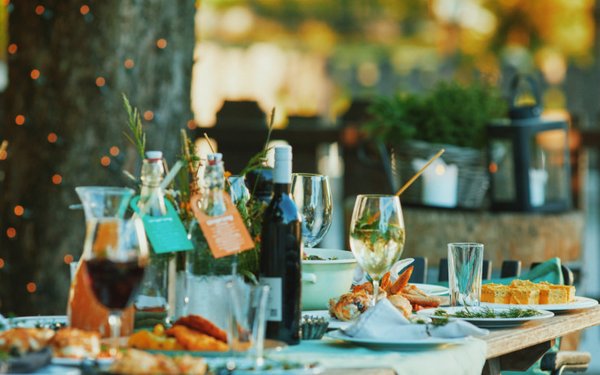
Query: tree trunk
(87, 54)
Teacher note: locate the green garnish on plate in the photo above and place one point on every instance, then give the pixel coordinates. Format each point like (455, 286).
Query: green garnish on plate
(488, 313)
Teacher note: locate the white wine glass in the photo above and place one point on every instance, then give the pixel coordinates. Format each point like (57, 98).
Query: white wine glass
(377, 235)
(312, 195)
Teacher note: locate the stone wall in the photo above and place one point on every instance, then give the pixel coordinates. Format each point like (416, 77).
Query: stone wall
(519, 236)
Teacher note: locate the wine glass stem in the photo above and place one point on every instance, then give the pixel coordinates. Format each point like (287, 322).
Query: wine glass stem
(375, 292)
(114, 321)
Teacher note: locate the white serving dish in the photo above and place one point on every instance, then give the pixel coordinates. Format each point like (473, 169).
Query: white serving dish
(326, 279)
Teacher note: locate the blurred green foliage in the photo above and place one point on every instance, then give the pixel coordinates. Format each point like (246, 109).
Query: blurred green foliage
(450, 113)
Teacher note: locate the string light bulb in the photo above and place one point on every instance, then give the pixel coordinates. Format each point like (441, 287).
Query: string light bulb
(148, 115)
(56, 179)
(19, 210)
(13, 48)
(35, 74)
(105, 161)
(84, 10)
(39, 10)
(11, 232)
(161, 43)
(19, 120)
(52, 137)
(129, 63)
(31, 287)
(100, 81)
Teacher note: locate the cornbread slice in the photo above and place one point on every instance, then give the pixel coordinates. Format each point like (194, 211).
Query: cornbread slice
(544, 289)
(495, 293)
(560, 293)
(524, 296)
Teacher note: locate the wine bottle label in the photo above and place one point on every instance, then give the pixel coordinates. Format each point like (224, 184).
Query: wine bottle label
(165, 233)
(274, 304)
(225, 234)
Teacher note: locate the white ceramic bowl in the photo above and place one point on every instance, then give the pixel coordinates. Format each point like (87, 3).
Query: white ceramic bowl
(325, 279)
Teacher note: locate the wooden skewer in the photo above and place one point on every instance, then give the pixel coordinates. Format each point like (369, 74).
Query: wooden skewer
(413, 178)
(375, 216)
(212, 149)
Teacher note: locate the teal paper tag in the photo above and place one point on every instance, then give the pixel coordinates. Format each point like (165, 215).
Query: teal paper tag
(165, 233)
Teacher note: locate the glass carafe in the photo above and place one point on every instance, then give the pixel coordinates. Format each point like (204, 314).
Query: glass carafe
(104, 209)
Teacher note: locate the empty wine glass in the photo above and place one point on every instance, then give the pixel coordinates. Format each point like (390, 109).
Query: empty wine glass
(312, 196)
(377, 235)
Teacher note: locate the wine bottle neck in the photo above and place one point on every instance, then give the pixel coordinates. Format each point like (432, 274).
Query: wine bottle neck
(279, 189)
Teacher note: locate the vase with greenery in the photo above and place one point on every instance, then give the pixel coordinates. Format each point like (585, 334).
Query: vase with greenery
(451, 116)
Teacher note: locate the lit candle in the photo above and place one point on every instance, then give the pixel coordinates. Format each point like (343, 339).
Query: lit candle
(440, 183)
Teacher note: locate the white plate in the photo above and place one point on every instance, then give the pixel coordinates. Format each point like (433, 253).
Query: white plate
(77, 362)
(489, 322)
(404, 344)
(578, 303)
(432, 290)
(33, 321)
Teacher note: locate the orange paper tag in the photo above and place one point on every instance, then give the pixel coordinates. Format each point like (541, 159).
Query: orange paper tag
(226, 234)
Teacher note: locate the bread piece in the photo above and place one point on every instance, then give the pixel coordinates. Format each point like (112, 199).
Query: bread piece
(543, 288)
(198, 323)
(134, 362)
(76, 343)
(524, 296)
(495, 293)
(20, 341)
(560, 293)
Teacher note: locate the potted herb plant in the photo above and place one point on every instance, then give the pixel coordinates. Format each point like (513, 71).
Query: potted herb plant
(451, 116)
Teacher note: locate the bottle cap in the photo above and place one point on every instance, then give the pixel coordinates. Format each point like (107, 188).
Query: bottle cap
(154, 155)
(214, 158)
(283, 152)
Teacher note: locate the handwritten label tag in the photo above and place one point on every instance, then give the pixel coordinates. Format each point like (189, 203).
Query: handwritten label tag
(165, 233)
(226, 234)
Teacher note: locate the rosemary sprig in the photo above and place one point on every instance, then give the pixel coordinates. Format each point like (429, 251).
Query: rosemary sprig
(488, 313)
(134, 124)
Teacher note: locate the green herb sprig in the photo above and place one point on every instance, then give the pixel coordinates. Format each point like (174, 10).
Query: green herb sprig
(134, 124)
(488, 313)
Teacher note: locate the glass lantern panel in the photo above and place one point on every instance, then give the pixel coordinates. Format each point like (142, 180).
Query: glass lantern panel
(502, 169)
(548, 173)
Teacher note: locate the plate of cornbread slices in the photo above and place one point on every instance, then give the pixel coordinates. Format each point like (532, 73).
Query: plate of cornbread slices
(542, 295)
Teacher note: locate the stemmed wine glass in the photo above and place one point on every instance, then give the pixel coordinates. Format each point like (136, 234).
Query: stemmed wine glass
(377, 235)
(116, 267)
(312, 195)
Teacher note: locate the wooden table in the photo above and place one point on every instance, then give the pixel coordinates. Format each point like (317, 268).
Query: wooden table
(518, 348)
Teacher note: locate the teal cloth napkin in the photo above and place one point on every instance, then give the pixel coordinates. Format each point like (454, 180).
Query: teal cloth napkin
(549, 271)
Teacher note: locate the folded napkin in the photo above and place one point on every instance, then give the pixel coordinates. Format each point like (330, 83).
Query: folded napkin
(384, 321)
(549, 271)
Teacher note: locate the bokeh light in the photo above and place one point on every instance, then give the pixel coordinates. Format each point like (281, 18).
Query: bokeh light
(12, 48)
(114, 151)
(52, 137)
(19, 210)
(57, 179)
(20, 120)
(161, 43)
(11, 232)
(148, 115)
(35, 74)
(105, 161)
(31, 287)
(84, 9)
(100, 81)
(129, 63)
(1, 263)
(68, 258)
(39, 10)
